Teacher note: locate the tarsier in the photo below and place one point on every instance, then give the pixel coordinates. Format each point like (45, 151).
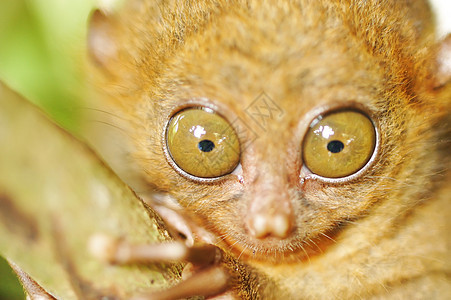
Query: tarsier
(302, 146)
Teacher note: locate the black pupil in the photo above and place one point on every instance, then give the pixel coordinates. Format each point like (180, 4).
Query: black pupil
(206, 145)
(335, 146)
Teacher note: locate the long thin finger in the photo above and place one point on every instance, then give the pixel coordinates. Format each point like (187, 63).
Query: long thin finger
(207, 283)
(119, 252)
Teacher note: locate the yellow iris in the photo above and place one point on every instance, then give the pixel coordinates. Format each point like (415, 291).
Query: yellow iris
(339, 144)
(202, 143)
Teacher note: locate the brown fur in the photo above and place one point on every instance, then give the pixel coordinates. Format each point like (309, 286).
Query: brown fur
(383, 234)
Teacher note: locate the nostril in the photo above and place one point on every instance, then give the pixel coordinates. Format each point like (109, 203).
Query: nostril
(278, 226)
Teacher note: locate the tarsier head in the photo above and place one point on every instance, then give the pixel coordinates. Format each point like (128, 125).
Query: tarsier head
(274, 125)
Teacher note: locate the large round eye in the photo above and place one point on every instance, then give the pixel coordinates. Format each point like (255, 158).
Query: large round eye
(202, 143)
(339, 144)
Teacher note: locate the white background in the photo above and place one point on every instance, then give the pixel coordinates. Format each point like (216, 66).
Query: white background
(442, 9)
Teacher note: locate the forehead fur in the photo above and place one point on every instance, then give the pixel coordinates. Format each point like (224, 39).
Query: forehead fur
(171, 22)
(171, 44)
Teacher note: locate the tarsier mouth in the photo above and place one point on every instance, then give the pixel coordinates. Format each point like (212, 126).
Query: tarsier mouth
(271, 249)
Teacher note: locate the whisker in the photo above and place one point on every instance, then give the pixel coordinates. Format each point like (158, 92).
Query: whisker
(325, 235)
(245, 248)
(103, 111)
(111, 125)
(313, 242)
(308, 256)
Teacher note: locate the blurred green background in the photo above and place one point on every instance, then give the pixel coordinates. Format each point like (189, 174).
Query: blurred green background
(41, 50)
(42, 46)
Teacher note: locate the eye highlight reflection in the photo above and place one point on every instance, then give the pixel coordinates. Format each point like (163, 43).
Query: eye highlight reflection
(202, 143)
(339, 144)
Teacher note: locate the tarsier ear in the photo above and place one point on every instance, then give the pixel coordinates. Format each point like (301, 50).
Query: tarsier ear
(441, 77)
(101, 45)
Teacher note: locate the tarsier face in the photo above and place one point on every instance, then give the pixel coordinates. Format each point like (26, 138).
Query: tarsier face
(272, 134)
(276, 215)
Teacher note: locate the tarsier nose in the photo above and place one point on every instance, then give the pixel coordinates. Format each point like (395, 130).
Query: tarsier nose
(262, 226)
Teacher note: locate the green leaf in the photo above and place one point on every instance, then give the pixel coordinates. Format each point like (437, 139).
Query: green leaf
(55, 194)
